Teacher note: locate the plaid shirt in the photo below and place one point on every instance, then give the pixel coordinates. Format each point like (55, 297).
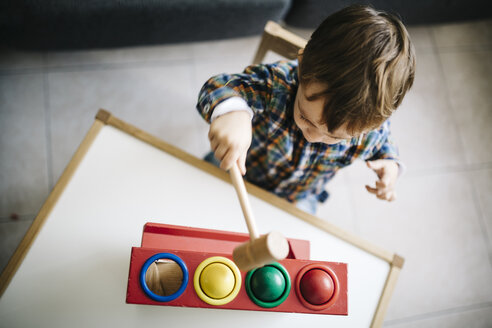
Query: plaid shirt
(280, 159)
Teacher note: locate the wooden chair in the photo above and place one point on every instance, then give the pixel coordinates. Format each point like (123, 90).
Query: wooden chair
(277, 39)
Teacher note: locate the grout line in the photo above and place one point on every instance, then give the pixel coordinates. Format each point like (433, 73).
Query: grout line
(481, 220)
(425, 49)
(117, 65)
(440, 313)
(22, 217)
(47, 126)
(353, 205)
(21, 71)
(95, 66)
(193, 72)
(449, 169)
(448, 95)
(464, 48)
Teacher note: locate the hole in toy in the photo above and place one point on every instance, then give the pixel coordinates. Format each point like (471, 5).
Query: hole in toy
(164, 277)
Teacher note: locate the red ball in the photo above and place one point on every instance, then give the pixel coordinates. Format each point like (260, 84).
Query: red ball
(317, 286)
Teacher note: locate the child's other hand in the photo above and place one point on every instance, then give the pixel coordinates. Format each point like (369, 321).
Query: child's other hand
(387, 171)
(230, 138)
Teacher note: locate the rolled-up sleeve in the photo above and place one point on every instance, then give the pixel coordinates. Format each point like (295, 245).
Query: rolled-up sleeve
(253, 85)
(381, 145)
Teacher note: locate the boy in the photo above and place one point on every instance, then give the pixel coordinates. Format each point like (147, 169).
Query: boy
(290, 126)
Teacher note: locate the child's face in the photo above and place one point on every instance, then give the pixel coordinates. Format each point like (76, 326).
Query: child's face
(308, 116)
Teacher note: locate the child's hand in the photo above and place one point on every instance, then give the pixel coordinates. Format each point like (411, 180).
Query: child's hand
(230, 138)
(387, 171)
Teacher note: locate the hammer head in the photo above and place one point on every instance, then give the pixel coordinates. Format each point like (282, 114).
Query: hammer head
(257, 252)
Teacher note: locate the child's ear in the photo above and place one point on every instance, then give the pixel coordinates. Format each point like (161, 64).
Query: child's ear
(299, 54)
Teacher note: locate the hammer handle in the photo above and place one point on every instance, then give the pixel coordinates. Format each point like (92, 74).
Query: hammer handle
(238, 182)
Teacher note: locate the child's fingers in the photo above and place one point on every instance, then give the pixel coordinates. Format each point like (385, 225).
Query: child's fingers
(226, 165)
(214, 143)
(388, 195)
(214, 146)
(377, 166)
(378, 191)
(372, 190)
(386, 179)
(380, 184)
(383, 187)
(226, 162)
(230, 159)
(382, 195)
(213, 139)
(211, 135)
(241, 162)
(220, 152)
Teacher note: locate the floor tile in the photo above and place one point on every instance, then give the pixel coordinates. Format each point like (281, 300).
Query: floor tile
(424, 126)
(473, 318)
(206, 68)
(482, 182)
(23, 168)
(421, 37)
(436, 227)
(233, 61)
(225, 56)
(157, 100)
(11, 234)
(238, 47)
(467, 76)
(119, 55)
(466, 34)
(338, 208)
(272, 57)
(11, 59)
(357, 175)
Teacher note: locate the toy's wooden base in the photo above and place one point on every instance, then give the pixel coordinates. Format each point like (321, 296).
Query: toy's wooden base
(195, 249)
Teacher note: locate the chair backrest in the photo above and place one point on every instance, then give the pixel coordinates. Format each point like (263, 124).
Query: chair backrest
(277, 39)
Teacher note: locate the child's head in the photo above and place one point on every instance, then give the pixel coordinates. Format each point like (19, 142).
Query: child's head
(353, 73)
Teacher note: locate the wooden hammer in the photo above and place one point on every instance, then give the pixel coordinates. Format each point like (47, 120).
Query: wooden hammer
(259, 250)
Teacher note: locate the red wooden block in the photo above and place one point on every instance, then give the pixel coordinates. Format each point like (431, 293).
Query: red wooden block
(191, 248)
(156, 235)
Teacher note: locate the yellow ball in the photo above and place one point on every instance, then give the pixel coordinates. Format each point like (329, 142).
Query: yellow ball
(217, 280)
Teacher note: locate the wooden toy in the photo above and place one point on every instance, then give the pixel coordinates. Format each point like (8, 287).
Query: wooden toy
(258, 251)
(192, 267)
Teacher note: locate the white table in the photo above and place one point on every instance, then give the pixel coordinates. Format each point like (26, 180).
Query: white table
(71, 268)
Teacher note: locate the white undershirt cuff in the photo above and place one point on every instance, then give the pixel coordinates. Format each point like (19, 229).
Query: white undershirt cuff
(231, 105)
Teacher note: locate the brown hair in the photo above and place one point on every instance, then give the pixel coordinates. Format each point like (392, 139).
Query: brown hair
(366, 60)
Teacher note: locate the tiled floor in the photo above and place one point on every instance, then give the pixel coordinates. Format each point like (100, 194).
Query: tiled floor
(441, 222)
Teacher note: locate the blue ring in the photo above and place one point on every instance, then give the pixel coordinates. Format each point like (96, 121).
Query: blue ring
(145, 267)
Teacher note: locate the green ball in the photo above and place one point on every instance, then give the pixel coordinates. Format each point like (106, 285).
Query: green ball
(267, 284)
